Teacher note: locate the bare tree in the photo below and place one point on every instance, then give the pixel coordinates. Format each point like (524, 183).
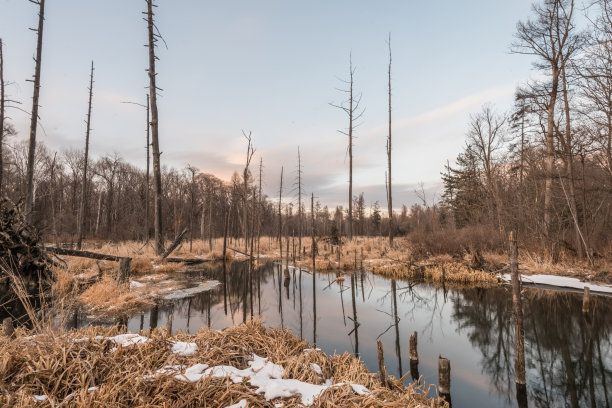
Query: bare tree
(485, 138)
(245, 192)
(82, 211)
(193, 171)
(389, 190)
(280, 216)
(351, 107)
(153, 38)
(549, 36)
(300, 212)
(34, 117)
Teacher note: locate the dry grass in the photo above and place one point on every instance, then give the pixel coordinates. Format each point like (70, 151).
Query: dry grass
(64, 370)
(108, 296)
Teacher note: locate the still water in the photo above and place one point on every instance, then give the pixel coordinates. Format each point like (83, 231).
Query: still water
(568, 355)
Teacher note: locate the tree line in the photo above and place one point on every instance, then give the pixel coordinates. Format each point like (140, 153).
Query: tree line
(544, 168)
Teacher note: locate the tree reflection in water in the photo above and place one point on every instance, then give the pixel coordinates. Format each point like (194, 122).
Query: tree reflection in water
(568, 355)
(563, 347)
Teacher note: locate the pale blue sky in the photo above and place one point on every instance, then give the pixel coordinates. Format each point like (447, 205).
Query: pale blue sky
(271, 67)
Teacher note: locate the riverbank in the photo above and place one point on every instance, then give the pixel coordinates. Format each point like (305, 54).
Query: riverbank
(94, 283)
(247, 365)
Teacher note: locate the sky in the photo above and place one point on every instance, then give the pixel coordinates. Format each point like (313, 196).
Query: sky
(273, 68)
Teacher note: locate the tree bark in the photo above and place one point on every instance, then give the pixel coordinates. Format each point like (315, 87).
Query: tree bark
(82, 212)
(29, 204)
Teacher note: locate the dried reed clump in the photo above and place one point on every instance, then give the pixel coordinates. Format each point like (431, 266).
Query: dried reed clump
(64, 282)
(79, 370)
(109, 296)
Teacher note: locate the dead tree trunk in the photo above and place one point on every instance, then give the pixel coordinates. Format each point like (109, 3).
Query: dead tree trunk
(82, 212)
(225, 228)
(153, 38)
(148, 189)
(382, 370)
(353, 112)
(176, 243)
(259, 208)
(210, 222)
(518, 312)
(245, 198)
(29, 203)
(314, 271)
(389, 190)
(280, 217)
(300, 214)
(2, 101)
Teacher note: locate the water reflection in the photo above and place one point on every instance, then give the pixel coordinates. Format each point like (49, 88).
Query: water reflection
(568, 354)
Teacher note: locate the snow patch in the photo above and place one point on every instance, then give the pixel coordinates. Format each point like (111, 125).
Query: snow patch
(183, 293)
(560, 281)
(136, 285)
(39, 398)
(240, 404)
(184, 349)
(316, 368)
(267, 378)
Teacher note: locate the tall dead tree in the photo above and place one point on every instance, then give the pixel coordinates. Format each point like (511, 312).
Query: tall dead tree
(153, 38)
(280, 216)
(259, 207)
(193, 171)
(300, 213)
(1, 110)
(389, 190)
(148, 187)
(245, 191)
(83, 209)
(351, 107)
(549, 36)
(29, 203)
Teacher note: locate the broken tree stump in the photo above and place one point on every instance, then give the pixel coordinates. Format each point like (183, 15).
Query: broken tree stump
(7, 327)
(414, 355)
(444, 379)
(124, 269)
(381, 364)
(586, 300)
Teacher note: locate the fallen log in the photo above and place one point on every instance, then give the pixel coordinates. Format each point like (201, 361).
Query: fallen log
(240, 252)
(83, 254)
(176, 243)
(189, 261)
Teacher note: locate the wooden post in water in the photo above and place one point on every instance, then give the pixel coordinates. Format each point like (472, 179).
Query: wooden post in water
(381, 364)
(444, 377)
(519, 362)
(169, 324)
(586, 300)
(414, 357)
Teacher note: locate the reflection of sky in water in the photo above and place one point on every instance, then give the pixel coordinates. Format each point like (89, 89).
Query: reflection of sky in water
(465, 327)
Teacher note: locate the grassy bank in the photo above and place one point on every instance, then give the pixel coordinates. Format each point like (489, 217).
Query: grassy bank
(94, 284)
(92, 367)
